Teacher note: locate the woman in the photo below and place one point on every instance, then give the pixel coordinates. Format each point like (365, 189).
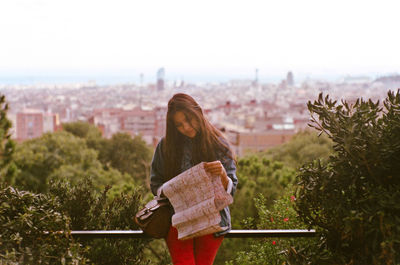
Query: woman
(189, 140)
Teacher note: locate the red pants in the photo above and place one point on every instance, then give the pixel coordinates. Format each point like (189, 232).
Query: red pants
(196, 251)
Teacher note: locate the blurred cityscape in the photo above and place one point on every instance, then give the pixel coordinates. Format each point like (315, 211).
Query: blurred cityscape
(254, 116)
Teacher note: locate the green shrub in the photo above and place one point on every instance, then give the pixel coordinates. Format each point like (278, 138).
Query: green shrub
(89, 209)
(257, 176)
(24, 219)
(25, 216)
(353, 199)
(281, 215)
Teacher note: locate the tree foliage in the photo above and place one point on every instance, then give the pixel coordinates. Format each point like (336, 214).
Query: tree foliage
(90, 209)
(82, 129)
(284, 251)
(257, 176)
(269, 174)
(128, 155)
(354, 197)
(7, 146)
(24, 220)
(59, 155)
(304, 147)
(89, 194)
(89, 132)
(30, 223)
(122, 152)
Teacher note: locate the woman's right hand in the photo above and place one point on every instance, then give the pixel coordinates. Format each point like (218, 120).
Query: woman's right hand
(216, 168)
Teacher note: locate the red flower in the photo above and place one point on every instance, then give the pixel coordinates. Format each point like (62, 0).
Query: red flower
(285, 219)
(292, 198)
(273, 243)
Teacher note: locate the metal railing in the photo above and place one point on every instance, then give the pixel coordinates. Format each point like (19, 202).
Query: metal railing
(231, 234)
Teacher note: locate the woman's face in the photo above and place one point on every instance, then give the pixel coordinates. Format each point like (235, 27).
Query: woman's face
(185, 125)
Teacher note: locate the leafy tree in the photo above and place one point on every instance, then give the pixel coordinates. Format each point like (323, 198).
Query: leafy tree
(304, 147)
(90, 209)
(7, 146)
(24, 218)
(82, 129)
(86, 131)
(257, 176)
(122, 152)
(353, 198)
(59, 155)
(128, 155)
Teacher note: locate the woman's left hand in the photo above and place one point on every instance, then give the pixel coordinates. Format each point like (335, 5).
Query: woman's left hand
(216, 168)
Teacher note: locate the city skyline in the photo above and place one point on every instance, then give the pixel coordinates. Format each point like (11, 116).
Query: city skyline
(110, 78)
(220, 40)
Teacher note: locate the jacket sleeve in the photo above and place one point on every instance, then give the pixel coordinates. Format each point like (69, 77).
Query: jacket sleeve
(157, 170)
(230, 167)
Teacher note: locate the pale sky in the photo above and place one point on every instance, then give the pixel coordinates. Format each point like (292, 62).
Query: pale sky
(313, 36)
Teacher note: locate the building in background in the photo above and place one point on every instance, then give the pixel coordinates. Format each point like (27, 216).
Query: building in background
(160, 79)
(245, 142)
(147, 123)
(255, 83)
(51, 122)
(32, 123)
(289, 79)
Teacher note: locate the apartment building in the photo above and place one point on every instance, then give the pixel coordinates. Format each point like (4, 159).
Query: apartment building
(32, 123)
(135, 122)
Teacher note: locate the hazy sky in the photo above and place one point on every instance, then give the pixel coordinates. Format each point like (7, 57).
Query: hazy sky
(309, 36)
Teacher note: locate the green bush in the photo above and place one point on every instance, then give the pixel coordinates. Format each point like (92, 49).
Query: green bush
(89, 209)
(281, 215)
(24, 219)
(353, 199)
(257, 176)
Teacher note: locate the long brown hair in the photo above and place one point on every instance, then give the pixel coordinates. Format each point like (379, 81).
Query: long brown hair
(206, 144)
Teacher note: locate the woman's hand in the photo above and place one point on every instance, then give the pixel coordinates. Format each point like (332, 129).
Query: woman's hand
(215, 168)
